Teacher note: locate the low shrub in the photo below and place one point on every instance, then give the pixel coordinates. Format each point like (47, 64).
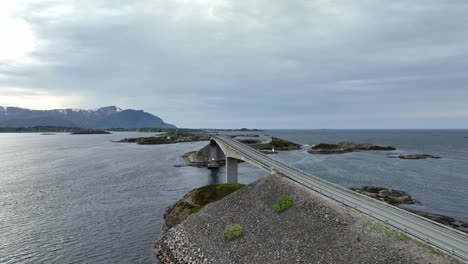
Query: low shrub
(232, 231)
(283, 203)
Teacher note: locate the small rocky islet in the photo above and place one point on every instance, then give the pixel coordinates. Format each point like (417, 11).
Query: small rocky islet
(276, 144)
(345, 147)
(418, 156)
(411, 156)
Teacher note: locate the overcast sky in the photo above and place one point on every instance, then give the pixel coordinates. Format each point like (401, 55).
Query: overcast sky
(234, 63)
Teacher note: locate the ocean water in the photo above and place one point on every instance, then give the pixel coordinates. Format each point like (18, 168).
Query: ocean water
(440, 185)
(84, 199)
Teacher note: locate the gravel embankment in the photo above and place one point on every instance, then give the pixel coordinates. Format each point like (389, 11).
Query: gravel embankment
(314, 230)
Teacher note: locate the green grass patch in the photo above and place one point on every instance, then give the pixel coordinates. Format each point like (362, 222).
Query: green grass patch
(205, 195)
(283, 203)
(232, 231)
(214, 192)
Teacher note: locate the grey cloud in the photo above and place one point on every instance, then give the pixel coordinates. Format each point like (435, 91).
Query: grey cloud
(245, 63)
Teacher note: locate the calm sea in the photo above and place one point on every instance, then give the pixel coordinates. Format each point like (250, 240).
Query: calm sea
(84, 199)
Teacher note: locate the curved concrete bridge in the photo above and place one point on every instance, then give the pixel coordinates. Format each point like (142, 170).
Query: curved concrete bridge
(440, 236)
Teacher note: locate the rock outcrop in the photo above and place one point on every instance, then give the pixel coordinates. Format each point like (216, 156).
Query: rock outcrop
(387, 195)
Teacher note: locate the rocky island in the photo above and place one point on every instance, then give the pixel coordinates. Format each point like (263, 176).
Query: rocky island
(276, 144)
(171, 137)
(345, 147)
(314, 229)
(198, 158)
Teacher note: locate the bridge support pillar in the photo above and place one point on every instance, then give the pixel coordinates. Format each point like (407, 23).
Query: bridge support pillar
(213, 163)
(231, 170)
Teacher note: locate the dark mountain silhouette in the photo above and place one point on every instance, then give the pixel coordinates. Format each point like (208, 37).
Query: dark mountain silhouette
(102, 118)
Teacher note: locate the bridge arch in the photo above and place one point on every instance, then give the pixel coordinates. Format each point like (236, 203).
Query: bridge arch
(232, 157)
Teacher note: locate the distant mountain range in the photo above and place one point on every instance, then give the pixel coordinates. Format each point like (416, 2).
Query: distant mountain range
(102, 118)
